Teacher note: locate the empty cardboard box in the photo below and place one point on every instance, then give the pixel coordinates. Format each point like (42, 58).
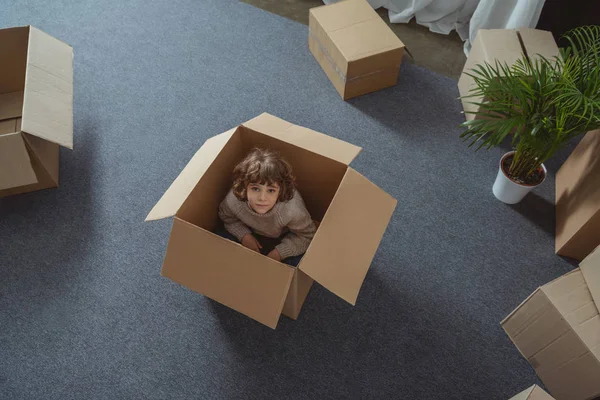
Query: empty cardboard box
(36, 108)
(557, 329)
(354, 46)
(533, 393)
(578, 200)
(505, 46)
(335, 194)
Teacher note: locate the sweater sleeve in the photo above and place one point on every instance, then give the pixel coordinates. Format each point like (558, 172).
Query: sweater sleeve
(301, 231)
(228, 212)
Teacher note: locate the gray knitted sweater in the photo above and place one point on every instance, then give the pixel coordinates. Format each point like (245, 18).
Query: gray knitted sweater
(290, 218)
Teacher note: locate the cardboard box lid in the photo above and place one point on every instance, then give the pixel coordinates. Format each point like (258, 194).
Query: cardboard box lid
(499, 44)
(356, 29)
(538, 43)
(590, 268)
(180, 189)
(48, 97)
(341, 251)
(15, 164)
(305, 138)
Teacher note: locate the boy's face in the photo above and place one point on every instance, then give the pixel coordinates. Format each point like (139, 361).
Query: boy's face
(262, 197)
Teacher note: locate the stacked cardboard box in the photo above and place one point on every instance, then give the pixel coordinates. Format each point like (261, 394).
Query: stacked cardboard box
(578, 200)
(504, 46)
(557, 329)
(533, 393)
(335, 194)
(36, 108)
(356, 49)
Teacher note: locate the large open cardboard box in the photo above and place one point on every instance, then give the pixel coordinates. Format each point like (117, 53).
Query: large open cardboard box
(353, 215)
(557, 329)
(36, 108)
(504, 46)
(578, 200)
(533, 393)
(354, 46)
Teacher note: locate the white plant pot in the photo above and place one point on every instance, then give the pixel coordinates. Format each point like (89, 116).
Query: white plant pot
(508, 191)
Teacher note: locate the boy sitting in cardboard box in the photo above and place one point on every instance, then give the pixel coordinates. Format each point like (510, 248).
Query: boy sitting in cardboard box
(264, 202)
(339, 254)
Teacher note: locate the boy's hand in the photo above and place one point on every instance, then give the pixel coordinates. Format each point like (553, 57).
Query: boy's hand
(250, 242)
(274, 254)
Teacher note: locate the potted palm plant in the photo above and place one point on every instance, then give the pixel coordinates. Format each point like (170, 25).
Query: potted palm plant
(541, 104)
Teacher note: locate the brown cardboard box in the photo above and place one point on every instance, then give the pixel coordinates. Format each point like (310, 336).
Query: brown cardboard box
(36, 108)
(578, 200)
(356, 49)
(505, 46)
(335, 194)
(533, 393)
(557, 329)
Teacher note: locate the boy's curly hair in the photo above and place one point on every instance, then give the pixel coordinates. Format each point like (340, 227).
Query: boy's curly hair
(264, 167)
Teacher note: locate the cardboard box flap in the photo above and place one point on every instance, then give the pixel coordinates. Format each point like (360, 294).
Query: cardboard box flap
(500, 44)
(590, 267)
(305, 138)
(537, 43)
(538, 393)
(366, 39)
(245, 280)
(345, 243)
(48, 99)
(180, 189)
(524, 395)
(11, 105)
(343, 14)
(15, 164)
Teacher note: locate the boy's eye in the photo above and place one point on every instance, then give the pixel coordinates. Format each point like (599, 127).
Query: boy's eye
(255, 189)
(271, 190)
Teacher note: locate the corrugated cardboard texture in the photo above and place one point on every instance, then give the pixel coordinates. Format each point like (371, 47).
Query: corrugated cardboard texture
(11, 105)
(43, 156)
(533, 393)
(340, 255)
(203, 202)
(46, 153)
(343, 14)
(370, 83)
(48, 101)
(557, 329)
(331, 54)
(13, 53)
(299, 289)
(365, 39)
(538, 43)
(348, 39)
(578, 200)
(305, 138)
(489, 45)
(227, 272)
(575, 380)
(505, 46)
(8, 126)
(15, 166)
(180, 189)
(590, 267)
(524, 395)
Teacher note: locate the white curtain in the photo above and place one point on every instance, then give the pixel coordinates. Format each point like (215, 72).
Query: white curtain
(464, 16)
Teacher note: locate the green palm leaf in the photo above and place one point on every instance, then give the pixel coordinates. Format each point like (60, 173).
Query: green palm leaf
(541, 103)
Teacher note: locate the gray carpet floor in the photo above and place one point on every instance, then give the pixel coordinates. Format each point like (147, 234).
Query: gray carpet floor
(84, 312)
